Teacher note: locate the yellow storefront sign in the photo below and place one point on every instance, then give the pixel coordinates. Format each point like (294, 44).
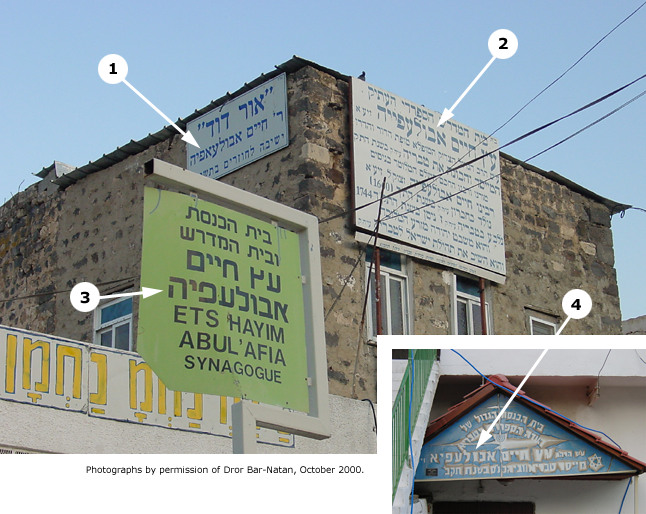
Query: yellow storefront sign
(107, 383)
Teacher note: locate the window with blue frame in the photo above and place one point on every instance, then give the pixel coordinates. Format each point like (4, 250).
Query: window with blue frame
(468, 320)
(394, 294)
(113, 324)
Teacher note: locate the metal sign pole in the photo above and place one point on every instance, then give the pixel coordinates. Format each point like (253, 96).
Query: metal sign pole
(243, 428)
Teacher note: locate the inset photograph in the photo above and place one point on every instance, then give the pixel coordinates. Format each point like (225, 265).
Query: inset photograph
(571, 440)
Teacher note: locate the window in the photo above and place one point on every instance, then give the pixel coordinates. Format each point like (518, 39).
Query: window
(539, 327)
(468, 320)
(113, 324)
(394, 294)
(540, 322)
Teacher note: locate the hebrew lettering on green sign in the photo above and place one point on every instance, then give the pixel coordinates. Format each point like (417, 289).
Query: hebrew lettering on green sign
(230, 319)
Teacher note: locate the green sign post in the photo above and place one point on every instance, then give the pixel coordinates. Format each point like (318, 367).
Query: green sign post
(230, 320)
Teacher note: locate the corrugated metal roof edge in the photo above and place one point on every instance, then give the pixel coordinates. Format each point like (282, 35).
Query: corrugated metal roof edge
(46, 169)
(488, 389)
(614, 207)
(289, 66)
(135, 147)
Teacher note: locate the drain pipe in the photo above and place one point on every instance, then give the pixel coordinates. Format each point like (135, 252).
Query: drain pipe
(377, 260)
(483, 308)
(636, 493)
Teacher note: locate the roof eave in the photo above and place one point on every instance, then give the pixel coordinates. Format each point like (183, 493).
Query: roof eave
(492, 386)
(615, 207)
(135, 147)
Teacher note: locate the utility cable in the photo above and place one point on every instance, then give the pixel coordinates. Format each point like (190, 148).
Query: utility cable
(482, 141)
(603, 365)
(483, 181)
(361, 252)
(365, 300)
(35, 295)
(596, 391)
(589, 126)
(486, 154)
(391, 216)
(373, 263)
(533, 401)
(372, 406)
(476, 184)
(568, 69)
(630, 481)
(347, 278)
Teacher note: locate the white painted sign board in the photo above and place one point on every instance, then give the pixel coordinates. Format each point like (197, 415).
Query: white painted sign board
(107, 383)
(454, 219)
(241, 131)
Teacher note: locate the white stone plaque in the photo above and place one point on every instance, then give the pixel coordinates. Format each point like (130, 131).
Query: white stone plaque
(454, 219)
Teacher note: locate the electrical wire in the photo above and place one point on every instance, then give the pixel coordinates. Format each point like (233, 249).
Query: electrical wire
(35, 295)
(589, 126)
(630, 481)
(568, 69)
(374, 415)
(486, 154)
(392, 216)
(597, 389)
(482, 141)
(365, 300)
(603, 365)
(533, 401)
(362, 250)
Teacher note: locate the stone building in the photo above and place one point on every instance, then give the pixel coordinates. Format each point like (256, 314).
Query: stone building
(635, 326)
(85, 224)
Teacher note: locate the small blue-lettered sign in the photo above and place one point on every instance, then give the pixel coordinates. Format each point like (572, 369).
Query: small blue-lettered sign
(524, 444)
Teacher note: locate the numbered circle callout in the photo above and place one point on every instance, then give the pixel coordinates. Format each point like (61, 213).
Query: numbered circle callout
(577, 304)
(113, 69)
(503, 44)
(85, 297)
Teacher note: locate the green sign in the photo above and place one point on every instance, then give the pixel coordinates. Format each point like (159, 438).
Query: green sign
(230, 320)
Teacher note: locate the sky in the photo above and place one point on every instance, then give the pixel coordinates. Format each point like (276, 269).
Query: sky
(182, 55)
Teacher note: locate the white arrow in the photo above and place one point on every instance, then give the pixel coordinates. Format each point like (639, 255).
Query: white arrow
(145, 291)
(485, 435)
(186, 136)
(448, 113)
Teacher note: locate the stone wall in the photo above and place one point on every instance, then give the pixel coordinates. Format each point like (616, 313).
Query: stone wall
(556, 240)
(313, 175)
(634, 326)
(29, 262)
(90, 231)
